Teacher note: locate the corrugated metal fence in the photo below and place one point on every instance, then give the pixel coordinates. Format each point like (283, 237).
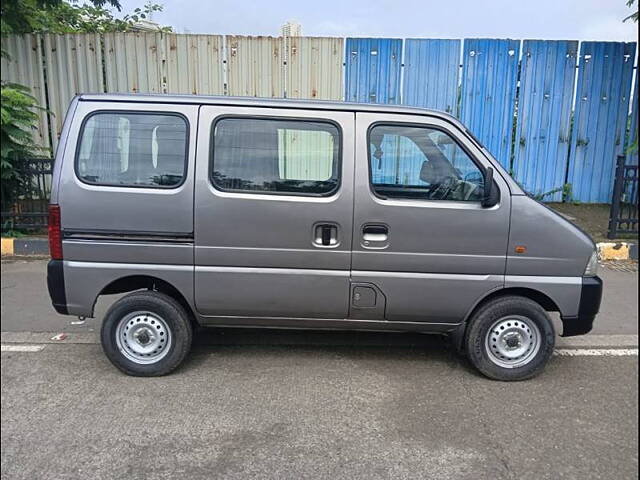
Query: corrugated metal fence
(517, 97)
(601, 115)
(547, 77)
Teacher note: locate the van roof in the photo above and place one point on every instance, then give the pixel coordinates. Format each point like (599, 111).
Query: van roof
(267, 102)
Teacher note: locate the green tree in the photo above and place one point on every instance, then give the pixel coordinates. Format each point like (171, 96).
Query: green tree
(17, 119)
(61, 16)
(633, 16)
(68, 18)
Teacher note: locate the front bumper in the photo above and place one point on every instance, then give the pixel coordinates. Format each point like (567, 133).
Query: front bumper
(590, 297)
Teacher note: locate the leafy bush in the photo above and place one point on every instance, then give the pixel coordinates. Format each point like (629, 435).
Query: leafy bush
(18, 120)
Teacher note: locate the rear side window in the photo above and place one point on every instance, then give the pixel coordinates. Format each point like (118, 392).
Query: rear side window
(275, 156)
(133, 149)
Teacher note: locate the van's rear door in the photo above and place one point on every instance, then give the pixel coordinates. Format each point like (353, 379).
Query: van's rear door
(273, 212)
(126, 185)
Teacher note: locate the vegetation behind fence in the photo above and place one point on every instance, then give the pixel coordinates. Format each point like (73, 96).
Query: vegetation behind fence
(25, 207)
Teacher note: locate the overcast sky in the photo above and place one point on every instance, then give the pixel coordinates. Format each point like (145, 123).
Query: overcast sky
(536, 19)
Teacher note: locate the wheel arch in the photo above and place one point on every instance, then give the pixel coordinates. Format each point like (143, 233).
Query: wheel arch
(134, 282)
(542, 299)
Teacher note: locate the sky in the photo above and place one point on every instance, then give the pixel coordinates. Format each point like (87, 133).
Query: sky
(534, 19)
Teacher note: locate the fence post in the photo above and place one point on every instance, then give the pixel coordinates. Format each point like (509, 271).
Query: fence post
(617, 197)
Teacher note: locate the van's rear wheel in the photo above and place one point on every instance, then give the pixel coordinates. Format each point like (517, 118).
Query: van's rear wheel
(510, 338)
(146, 334)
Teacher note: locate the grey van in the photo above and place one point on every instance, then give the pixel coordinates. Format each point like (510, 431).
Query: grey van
(219, 211)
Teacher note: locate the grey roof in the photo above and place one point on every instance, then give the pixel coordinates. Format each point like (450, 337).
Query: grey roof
(268, 102)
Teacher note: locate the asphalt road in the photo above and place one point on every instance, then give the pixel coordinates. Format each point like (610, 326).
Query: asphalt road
(284, 404)
(243, 412)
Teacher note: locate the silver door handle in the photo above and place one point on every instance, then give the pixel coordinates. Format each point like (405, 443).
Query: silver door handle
(375, 233)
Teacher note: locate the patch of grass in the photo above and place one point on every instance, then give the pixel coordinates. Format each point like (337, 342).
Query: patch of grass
(593, 218)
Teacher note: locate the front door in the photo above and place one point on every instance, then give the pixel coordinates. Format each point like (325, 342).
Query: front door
(422, 240)
(273, 212)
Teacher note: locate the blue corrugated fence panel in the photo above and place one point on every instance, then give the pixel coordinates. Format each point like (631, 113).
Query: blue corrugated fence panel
(372, 72)
(489, 76)
(632, 157)
(602, 107)
(431, 74)
(547, 76)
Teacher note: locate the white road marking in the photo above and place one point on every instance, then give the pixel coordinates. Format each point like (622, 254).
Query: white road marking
(596, 352)
(21, 348)
(562, 352)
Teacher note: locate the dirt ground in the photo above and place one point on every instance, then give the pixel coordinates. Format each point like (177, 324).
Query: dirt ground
(593, 218)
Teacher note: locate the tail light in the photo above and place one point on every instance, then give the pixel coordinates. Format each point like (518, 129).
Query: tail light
(55, 233)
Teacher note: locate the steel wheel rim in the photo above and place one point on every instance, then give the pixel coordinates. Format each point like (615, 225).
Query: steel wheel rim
(512, 341)
(143, 337)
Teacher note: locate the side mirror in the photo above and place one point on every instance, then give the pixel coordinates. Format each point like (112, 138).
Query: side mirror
(489, 198)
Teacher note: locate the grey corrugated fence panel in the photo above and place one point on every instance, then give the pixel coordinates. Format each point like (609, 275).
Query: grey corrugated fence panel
(73, 63)
(547, 78)
(254, 66)
(372, 72)
(194, 64)
(314, 67)
(489, 76)
(632, 156)
(24, 66)
(431, 71)
(601, 112)
(133, 62)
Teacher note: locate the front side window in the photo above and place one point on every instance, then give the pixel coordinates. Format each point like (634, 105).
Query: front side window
(275, 156)
(421, 163)
(133, 149)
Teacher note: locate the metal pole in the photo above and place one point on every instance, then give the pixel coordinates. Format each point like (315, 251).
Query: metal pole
(617, 197)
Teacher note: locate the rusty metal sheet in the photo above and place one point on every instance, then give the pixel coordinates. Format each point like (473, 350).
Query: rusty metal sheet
(73, 64)
(314, 67)
(194, 64)
(255, 66)
(24, 66)
(133, 62)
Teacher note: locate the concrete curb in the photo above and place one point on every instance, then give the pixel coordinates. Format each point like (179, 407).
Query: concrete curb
(617, 251)
(25, 246)
(40, 246)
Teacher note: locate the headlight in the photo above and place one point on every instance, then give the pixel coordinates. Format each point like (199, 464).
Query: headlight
(592, 265)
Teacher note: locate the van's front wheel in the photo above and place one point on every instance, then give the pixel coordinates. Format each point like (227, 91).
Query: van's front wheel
(146, 334)
(510, 338)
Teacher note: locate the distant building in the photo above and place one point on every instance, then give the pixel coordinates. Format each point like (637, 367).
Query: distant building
(291, 29)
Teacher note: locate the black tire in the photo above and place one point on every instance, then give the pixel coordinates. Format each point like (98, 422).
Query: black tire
(175, 318)
(495, 310)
